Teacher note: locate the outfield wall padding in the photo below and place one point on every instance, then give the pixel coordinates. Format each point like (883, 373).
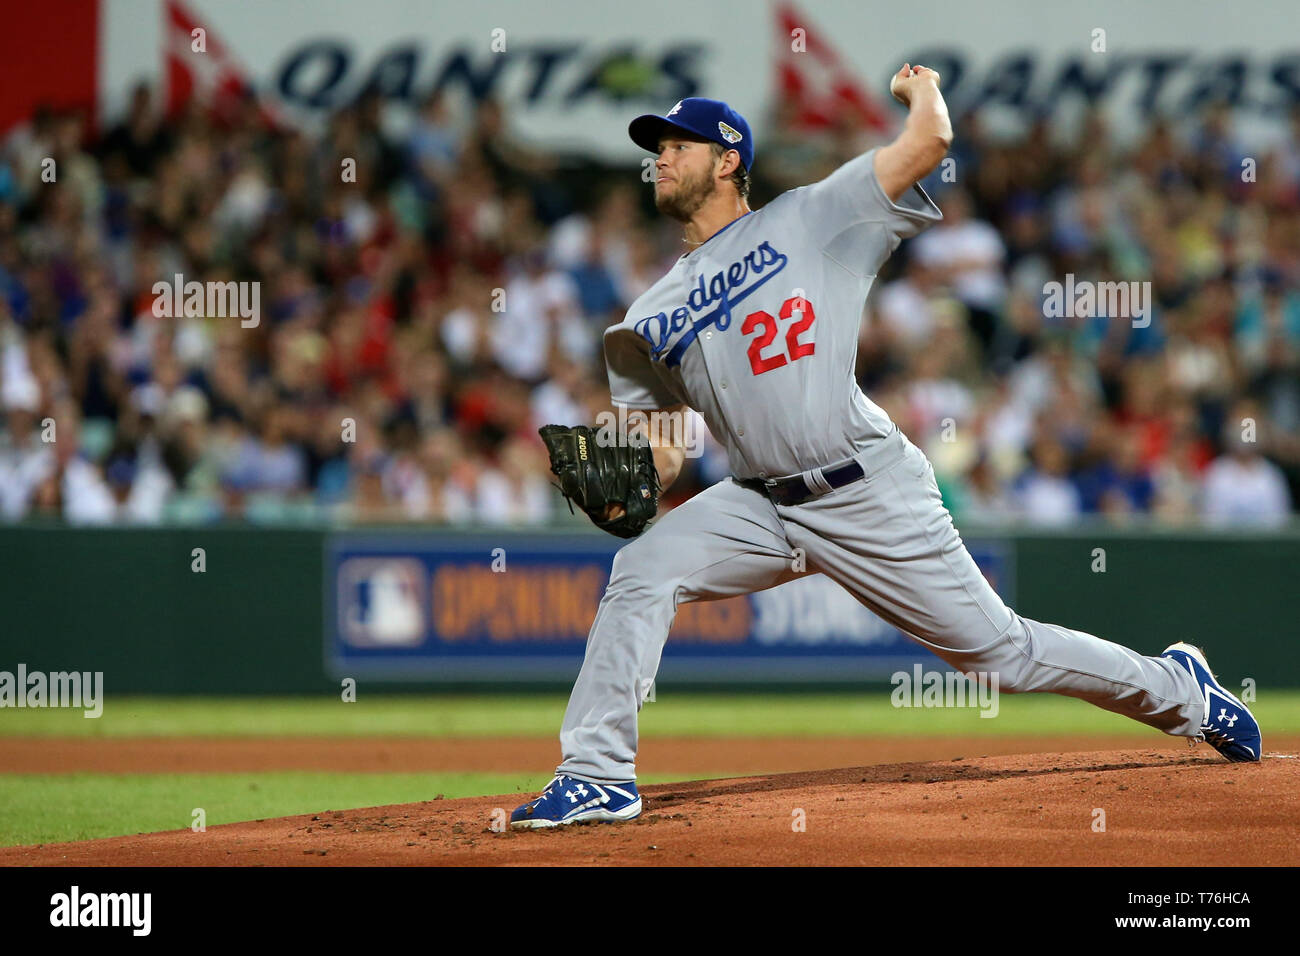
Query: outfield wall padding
(258, 619)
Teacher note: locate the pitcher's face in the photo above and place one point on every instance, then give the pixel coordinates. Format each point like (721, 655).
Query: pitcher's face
(684, 177)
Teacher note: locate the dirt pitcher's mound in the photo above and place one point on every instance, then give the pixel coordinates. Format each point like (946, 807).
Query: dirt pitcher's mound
(1112, 808)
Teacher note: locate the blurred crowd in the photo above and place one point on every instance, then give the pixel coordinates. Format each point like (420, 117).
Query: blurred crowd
(433, 288)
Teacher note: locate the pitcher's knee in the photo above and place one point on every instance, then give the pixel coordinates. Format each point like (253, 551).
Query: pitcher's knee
(636, 575)
(1013, 674)
(1003, 657)
(1003, 671)
(640, 567)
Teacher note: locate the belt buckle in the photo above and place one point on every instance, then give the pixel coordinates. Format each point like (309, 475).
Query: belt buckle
(785, 491)
(772, 488)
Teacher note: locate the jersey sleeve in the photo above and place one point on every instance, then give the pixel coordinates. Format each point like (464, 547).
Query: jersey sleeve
(635, 379)
(855, 223)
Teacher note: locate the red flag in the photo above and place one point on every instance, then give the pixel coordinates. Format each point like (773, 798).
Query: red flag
(213, 76)
(821, 89)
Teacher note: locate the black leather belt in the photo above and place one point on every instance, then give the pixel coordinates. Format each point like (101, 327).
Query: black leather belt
(795, 491)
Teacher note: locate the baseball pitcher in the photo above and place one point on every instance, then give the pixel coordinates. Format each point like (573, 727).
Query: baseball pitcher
(756, 328)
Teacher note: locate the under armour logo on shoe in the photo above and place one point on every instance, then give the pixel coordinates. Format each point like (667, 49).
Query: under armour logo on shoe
(573, 795)
(1223, 715)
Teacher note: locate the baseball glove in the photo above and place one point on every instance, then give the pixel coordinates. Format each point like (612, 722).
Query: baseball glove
(594, 476)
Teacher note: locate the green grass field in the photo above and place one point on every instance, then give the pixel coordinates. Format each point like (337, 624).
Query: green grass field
(42, 808)
(50, 808)
(686, 715)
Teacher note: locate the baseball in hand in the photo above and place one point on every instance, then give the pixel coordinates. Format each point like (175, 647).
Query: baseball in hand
(902, 83)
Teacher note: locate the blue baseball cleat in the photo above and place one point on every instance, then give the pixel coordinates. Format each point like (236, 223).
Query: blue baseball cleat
(1227, 724)
(570, 800)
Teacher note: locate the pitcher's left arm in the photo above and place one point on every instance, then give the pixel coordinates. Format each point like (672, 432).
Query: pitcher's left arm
(925, 138)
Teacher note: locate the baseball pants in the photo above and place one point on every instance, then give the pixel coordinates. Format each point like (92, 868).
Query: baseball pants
(886, 538)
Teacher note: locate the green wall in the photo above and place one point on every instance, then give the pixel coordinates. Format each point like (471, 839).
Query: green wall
(127, 603)
(1233, 595)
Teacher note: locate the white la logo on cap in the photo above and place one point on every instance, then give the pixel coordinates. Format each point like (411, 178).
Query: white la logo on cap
(675, 108)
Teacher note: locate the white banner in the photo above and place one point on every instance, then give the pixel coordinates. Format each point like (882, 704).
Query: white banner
(572, 73)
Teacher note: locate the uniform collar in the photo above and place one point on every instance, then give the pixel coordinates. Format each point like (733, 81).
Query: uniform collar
(718, 233)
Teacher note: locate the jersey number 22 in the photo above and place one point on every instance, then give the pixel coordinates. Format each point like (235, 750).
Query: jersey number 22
(793, 347)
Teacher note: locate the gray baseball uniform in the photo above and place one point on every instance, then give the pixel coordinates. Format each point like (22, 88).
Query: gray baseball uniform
(757, 329)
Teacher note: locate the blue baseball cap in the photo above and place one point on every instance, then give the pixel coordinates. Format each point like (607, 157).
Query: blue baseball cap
(708, 119)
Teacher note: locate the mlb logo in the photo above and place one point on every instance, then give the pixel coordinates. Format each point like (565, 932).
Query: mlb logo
(730, 134)
(381, 602)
